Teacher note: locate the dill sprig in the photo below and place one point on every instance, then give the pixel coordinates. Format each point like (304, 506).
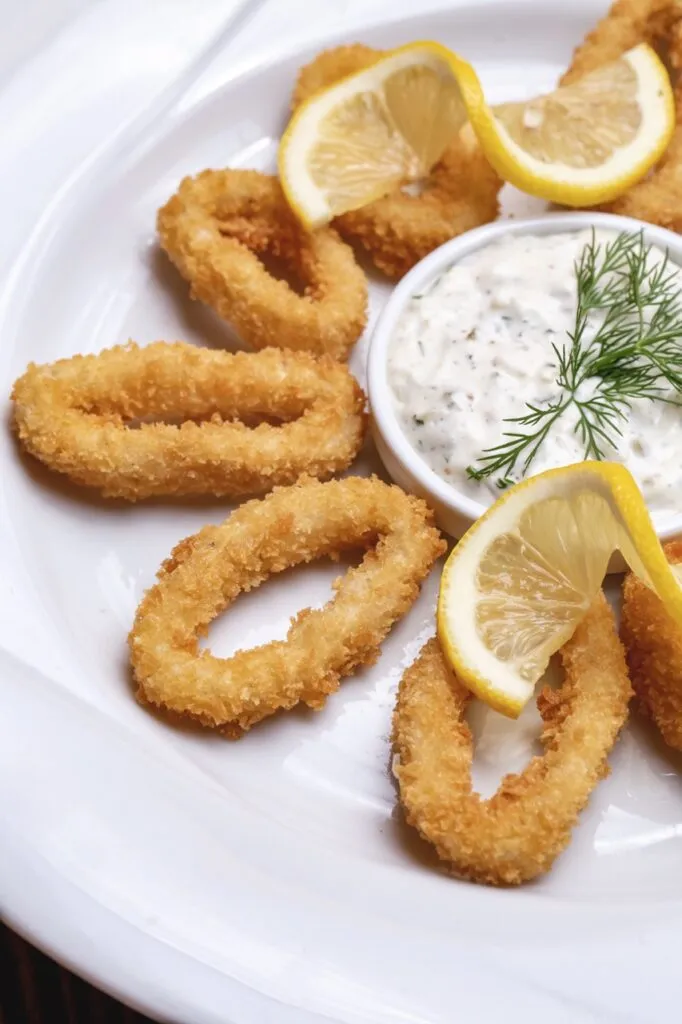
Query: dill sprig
(626, 341)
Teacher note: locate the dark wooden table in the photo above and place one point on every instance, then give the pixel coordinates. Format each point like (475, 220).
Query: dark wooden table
(35, 990)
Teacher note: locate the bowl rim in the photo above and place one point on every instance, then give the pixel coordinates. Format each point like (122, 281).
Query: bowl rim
(382, 412)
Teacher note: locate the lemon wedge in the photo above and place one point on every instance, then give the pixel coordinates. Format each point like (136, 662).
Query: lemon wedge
(378, 128)
(588, 142)
(519, 582)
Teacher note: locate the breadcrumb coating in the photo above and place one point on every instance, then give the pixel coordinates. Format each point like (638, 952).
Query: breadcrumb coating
(84, 417)
(215, 229)
(658, 198)
(291, 526)
(401, 228)
(517, 833)
(653, 644)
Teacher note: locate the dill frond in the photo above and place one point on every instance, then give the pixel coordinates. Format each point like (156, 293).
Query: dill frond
(634, 352)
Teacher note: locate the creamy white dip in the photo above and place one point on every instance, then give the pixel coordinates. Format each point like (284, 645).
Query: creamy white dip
(476, 347)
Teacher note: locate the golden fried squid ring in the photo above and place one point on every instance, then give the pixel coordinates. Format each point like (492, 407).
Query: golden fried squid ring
(516, 834)
(81, 417)
(654, 651)
(206, 572)
(331, 66)
(401, 228)
(658, 198)
(215, 228)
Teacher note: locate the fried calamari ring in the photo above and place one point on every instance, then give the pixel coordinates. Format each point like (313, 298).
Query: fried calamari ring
(653, 644)
(293, 525)
(400, 229)
(658, 198)
(215, 228)
(517, 833)
(331, 66)
(76, 416)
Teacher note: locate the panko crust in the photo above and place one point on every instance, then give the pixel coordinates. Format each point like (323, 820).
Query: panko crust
(75, 415)
(215, 228)
(400, 229)
(293, 525)
(329, 67)
(653, 643)
(658, 198)
(517, 833)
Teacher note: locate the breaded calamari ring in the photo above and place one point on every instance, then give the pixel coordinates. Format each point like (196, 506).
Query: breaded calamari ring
(77, 416)
(329, 67)
(658, 198)
(215, 228)
(400, 229)
(517, 833)
(293, 525)
(653, 645)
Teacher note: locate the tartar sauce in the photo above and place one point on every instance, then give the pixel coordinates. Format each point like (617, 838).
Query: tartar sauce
(476, 347)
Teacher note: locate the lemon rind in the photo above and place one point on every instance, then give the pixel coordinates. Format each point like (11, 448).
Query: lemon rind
(572, 186)
(306, 199)
(495, 683)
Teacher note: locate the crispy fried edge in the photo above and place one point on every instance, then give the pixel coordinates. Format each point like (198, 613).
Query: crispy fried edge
(329, 66)
(293, 525)
(658, 198)
(517, 833)
(71, 415)
(215, 228)
(400, 229)
(653, 645)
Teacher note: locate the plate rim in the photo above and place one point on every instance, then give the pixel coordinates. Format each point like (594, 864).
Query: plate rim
(79, 956)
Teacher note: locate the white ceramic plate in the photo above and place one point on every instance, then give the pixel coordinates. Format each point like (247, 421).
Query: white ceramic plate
(272, 881)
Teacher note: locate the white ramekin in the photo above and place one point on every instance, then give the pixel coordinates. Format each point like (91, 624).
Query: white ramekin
(456, 511)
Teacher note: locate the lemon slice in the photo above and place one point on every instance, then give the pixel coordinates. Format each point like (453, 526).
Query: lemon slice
(378, 128)
(519, 582)
(585, 143)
